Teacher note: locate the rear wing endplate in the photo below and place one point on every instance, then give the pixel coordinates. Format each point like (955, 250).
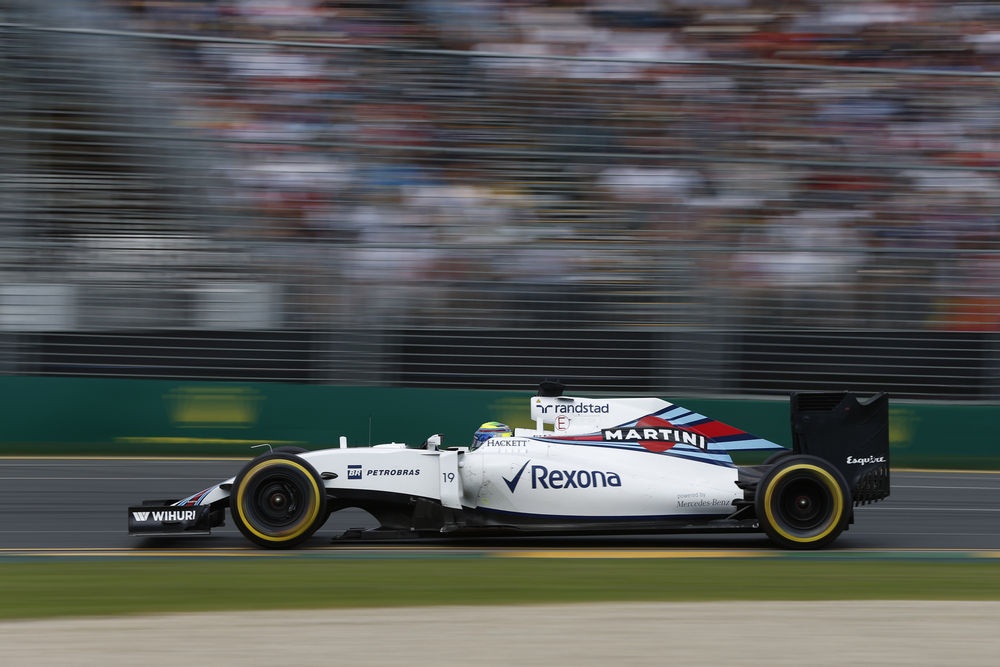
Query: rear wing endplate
(849, 432)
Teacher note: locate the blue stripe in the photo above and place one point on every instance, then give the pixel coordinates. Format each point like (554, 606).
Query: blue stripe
(751, 444)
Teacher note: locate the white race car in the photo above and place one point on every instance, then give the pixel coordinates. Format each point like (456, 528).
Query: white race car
(588, 466)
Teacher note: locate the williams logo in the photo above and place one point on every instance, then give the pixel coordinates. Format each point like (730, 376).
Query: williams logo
(545, 478)
(656, 435)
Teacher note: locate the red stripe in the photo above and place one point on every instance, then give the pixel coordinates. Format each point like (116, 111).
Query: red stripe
(714, 429)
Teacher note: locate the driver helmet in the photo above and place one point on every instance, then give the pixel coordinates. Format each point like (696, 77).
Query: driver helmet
(490, 430)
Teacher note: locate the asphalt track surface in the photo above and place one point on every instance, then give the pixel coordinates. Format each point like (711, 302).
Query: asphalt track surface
(59, 506)
(80, 504)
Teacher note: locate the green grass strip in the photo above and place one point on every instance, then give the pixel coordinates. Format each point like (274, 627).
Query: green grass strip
(99, 587)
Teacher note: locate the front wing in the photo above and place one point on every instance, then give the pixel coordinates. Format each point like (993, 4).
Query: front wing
(170, 520)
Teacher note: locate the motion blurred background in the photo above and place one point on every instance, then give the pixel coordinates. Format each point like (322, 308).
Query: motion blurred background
(712, 197)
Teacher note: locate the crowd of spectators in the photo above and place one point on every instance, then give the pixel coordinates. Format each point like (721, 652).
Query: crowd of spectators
(798, 161)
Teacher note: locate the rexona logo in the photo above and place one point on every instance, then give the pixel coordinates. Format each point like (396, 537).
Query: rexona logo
(575, 408)
(656, 435)
(543, 477)
(169, 515)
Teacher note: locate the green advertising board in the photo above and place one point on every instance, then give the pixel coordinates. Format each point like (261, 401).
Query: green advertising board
(92, 416)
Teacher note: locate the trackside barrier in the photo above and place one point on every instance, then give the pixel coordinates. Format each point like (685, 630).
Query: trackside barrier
(121, 417)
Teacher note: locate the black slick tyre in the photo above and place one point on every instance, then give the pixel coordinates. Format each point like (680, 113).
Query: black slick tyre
(278, 501)
(802, 502)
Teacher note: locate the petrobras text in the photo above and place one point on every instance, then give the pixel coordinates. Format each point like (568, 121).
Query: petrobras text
(392, 472)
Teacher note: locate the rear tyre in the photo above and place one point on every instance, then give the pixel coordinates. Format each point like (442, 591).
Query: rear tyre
(278, 501)
(802, 503)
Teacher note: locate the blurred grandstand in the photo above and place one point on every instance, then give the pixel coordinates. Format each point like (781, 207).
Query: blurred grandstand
(672, 196)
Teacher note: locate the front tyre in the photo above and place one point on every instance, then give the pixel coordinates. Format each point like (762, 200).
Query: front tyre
(278, 501)
(802, 503)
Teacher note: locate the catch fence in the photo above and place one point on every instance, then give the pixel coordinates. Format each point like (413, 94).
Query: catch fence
(223, 208)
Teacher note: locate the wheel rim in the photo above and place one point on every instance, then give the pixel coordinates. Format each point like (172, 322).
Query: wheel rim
(804, 504)
(275, 502)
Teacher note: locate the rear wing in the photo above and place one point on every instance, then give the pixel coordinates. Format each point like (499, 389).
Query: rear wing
(850, 433)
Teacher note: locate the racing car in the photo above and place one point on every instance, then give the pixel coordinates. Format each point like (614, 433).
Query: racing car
(588, 466)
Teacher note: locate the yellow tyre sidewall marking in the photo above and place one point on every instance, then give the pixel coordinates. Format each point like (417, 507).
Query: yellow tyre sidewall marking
(299, 528)
(831, 483)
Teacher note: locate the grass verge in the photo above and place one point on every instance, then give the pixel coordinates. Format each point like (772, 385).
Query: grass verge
(107, 586)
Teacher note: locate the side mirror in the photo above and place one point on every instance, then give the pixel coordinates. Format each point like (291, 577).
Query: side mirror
(433, 442)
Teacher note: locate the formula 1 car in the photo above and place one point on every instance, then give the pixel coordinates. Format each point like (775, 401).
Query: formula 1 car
(589, 466)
